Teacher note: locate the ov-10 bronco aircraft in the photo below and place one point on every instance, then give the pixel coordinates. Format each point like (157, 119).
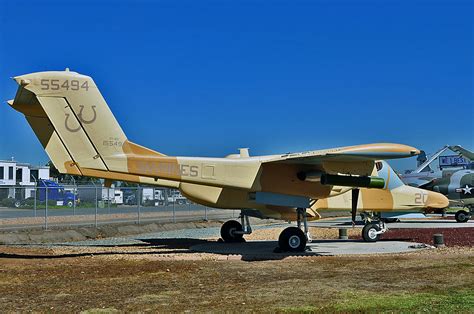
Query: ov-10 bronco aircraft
(82, 137)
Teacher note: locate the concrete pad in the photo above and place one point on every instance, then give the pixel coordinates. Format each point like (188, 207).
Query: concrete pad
(252, 250)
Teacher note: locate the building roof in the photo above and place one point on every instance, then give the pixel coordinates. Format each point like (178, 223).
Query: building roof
(23, 164)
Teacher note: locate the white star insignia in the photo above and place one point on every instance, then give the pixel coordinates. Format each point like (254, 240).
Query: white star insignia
(467, 189)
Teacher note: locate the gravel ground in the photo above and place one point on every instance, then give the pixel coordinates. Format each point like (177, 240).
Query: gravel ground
(260, 232)
(168, 245)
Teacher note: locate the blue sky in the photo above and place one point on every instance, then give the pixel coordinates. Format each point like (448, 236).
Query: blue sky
(206, 77)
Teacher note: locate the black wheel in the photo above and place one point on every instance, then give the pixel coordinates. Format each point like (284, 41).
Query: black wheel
(228, 231)
(17, 204)
(292, 239)
(69, 204)
(369, 233)
(462, 216)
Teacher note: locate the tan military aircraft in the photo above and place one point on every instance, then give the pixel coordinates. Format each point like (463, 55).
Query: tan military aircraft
(82, 137)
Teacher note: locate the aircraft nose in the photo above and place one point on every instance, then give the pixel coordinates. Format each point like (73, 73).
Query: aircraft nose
(436, 200)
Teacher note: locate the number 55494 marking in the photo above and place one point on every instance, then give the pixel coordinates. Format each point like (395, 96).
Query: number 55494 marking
(47, 84)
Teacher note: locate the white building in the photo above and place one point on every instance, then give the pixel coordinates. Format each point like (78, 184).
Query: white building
(14, 174)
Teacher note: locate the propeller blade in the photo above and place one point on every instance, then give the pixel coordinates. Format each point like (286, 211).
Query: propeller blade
(355, 199)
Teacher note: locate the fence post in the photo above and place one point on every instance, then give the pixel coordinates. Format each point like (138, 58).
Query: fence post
(74, 201)
(188, 208)
(205, 213)
(74, 196)
(138, 203)
(108, 200)
(34, 204)
(46, 210)
(96, 200)
(174, 213)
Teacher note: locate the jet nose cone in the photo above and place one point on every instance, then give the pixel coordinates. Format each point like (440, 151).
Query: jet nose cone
(436, 200)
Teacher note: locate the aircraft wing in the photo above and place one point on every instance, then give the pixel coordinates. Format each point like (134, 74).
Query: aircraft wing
(354, 160)
(367, 152)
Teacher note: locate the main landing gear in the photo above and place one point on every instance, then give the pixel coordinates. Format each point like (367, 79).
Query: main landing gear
(293, 239)
(233, 231)
(373, 228)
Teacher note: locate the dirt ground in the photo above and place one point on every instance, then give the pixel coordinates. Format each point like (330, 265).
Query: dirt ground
(138, 278)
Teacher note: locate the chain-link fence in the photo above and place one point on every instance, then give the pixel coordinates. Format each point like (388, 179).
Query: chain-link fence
(51, 204)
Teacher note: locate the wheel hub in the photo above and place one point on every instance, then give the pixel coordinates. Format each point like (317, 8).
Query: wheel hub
(372, 233)
(294, 241)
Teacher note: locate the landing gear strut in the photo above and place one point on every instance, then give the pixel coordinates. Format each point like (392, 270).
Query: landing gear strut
(233, 231)
(293, 239)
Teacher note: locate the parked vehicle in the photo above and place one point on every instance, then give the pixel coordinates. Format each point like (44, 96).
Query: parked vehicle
(55, 192)
(112, 195)
(153, 196)
(168, 196)
(176, 197)
(118, 197)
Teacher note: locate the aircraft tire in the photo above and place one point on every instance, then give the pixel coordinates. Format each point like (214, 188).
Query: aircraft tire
(228, 234)
(462, 216)
(292, 239)
(368, 233)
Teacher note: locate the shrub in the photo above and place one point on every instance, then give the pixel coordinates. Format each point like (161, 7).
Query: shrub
(149, 203)
(7, 202)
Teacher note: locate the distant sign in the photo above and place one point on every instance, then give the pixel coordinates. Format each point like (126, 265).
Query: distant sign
(452, 161)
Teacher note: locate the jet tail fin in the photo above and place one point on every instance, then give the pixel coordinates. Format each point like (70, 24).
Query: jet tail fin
(463, 152)
(74, 123)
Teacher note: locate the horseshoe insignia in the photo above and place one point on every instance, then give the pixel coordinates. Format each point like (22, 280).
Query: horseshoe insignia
(67, 127)
(79, 115)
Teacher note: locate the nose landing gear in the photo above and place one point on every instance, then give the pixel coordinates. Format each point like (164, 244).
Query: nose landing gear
(373, 228)
(371, 232)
